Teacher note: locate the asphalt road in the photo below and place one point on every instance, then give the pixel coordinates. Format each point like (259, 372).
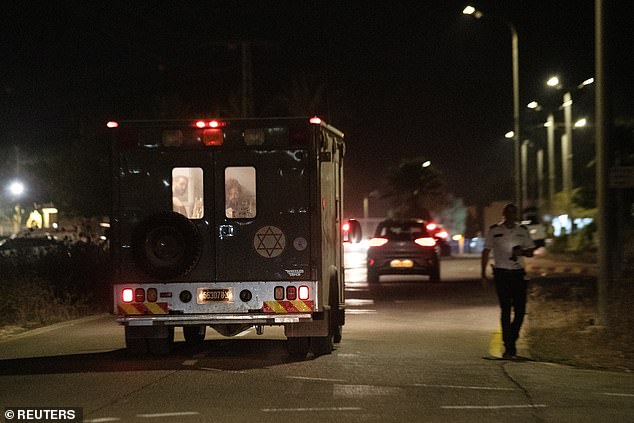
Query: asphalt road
(412, 351)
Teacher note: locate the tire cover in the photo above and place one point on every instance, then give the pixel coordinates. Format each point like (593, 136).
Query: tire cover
(166, 245)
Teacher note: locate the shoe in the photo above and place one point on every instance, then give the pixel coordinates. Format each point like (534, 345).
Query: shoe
(509, 352)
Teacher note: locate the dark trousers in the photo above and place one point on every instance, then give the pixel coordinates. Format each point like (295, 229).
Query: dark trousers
(510, 286)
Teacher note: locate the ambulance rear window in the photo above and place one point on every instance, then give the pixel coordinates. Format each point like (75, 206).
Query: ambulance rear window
(240, 189)
(187, 192)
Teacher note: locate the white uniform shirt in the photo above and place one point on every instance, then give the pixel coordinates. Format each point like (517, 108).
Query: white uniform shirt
(501, 240)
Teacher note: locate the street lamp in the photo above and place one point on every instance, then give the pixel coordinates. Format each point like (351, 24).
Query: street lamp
(472, 11)
(17, 189)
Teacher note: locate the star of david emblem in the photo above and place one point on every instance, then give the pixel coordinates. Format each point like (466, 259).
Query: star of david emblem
(269, 241)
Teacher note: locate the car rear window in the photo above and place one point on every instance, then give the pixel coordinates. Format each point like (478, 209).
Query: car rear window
(401, 231)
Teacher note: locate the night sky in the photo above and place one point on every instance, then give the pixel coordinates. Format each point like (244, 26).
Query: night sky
(402, 79)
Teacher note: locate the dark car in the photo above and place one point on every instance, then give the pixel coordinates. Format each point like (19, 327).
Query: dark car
(31, 248)
(403, 247)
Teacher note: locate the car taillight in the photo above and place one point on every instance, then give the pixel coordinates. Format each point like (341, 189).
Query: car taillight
(431, 226)
(377, 242)
(442, 234)
(426, 242)
(127, 295)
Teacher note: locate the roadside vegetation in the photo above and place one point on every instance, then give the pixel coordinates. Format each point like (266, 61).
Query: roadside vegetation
(41, 288)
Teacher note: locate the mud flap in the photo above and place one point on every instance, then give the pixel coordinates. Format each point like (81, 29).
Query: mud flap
(313, 328)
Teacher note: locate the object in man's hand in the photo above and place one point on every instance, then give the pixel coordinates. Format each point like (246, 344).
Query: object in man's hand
(516, 252)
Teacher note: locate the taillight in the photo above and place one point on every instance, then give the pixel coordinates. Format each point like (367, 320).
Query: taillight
(278, 293)
(291, 293)
(127, 295)
(377, 242)
(431, 226)
(442, 234)
(304, 292)
(426, 242)
(139, 295)
(152, 295)
(345, 227)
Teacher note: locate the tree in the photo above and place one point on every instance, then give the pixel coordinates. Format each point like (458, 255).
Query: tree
(415, 190)
(454, 217)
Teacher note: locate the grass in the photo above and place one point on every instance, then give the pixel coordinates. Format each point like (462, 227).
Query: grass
(53, 288)
(563, 323)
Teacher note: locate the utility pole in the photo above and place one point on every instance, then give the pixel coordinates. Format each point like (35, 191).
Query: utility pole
(604, 212)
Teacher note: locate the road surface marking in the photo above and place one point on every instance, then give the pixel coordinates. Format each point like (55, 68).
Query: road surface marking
(490, 407)
(484, 388)
(616, 394)
(356, 391)
(495, 344)
(158, 415)
(221, 370)
(359, 311)
(103, 420)
(269, 410)
(358, 302)
(315, 378)
(190, 362)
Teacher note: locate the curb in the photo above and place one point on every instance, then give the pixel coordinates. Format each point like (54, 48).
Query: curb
(563, 268)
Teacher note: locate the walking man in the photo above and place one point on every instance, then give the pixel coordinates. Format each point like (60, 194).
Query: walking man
(510, 242)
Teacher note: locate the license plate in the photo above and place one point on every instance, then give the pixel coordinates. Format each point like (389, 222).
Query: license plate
(209, 295)
(402, 263)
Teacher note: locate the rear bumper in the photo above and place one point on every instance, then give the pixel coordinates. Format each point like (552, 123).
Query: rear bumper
(187, 320)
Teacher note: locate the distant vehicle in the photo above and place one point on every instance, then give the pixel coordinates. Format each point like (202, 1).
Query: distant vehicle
(228, 224)
(403, 246)
(537, 230)
(440, 235)
(31, 248)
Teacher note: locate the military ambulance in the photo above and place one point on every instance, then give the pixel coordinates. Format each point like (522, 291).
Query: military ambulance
(229, 224)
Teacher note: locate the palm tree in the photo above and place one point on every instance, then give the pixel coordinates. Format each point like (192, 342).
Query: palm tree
(415, 189)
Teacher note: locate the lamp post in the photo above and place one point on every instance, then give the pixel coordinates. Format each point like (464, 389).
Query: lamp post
(472, 11)
(566, 142)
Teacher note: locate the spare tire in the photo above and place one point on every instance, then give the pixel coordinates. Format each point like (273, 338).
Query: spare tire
(167, 245)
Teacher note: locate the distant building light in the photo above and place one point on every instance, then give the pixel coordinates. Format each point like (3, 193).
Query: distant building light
(533, 105)
(553, 82)
(509, 134)
(581, 123)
